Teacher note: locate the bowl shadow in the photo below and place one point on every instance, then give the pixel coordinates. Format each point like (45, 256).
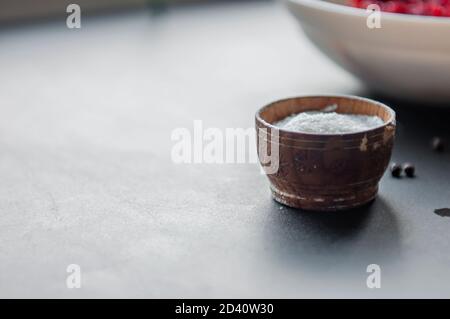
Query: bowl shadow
(319, 241)
(433, 118)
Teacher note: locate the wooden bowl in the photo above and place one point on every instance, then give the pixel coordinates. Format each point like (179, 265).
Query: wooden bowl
(324, 172)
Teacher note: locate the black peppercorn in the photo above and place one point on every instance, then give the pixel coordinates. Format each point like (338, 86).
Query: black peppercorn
(409, 169)
(396, 170)
(437, 144)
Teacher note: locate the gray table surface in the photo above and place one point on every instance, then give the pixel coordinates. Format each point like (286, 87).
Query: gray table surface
(86, 175)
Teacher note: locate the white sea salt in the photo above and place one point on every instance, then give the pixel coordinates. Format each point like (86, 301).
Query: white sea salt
(327, 122)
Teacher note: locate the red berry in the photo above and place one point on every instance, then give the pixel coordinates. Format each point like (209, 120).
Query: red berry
(394, 6)
(435, 10)
(418, 7)
(355, 3)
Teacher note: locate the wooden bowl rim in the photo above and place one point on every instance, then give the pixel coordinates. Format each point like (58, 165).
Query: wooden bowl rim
(390, 121)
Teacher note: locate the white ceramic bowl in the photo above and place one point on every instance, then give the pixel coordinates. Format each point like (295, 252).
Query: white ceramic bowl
(407, 58)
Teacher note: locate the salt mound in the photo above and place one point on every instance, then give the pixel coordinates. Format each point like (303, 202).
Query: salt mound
(329, 122)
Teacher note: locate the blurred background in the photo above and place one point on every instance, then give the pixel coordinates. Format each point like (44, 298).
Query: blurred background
(25, 10)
